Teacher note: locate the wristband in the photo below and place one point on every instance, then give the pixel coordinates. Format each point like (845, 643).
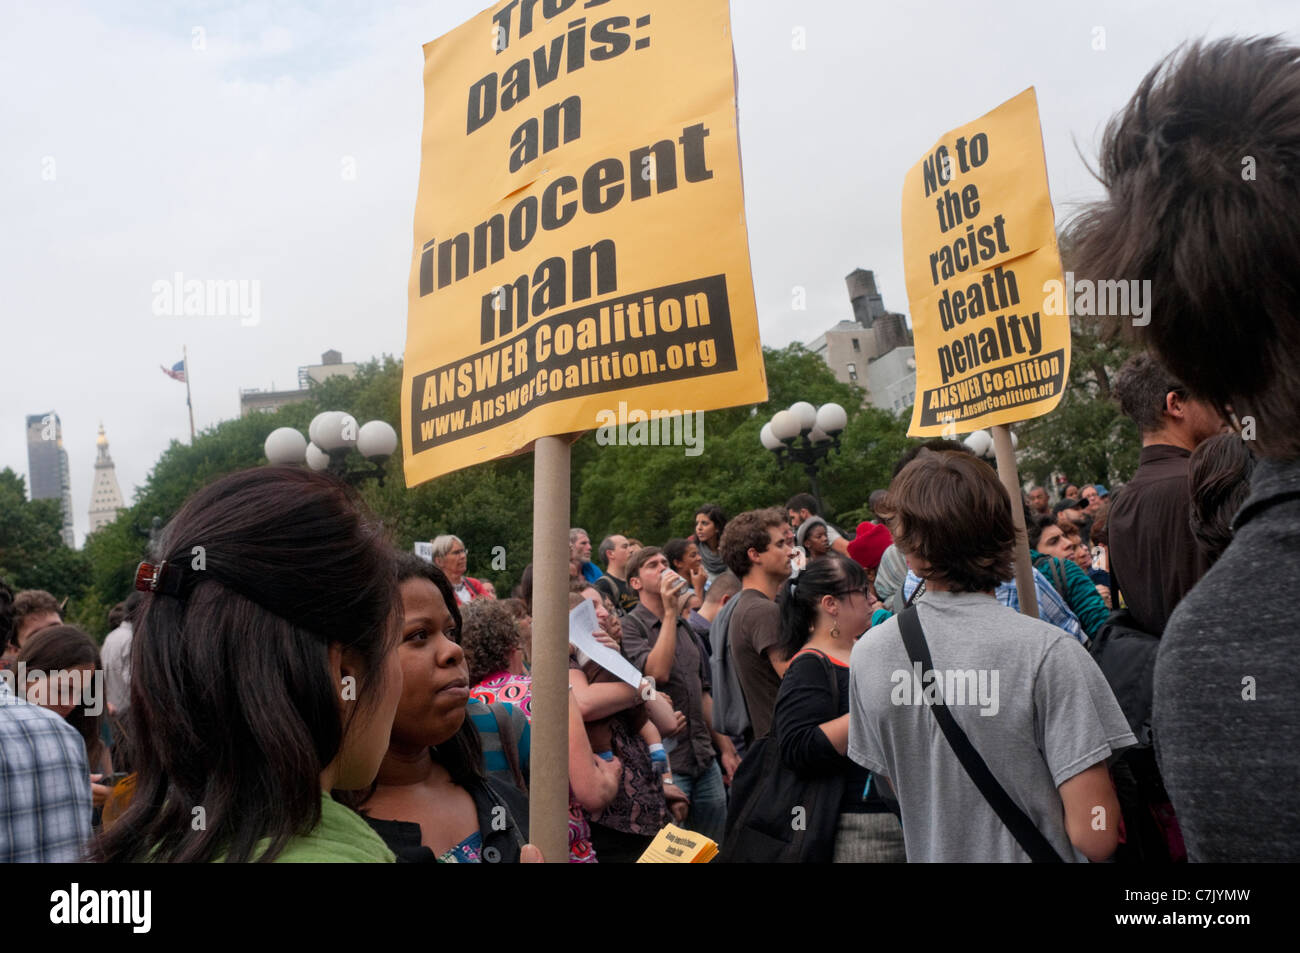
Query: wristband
(657, 746)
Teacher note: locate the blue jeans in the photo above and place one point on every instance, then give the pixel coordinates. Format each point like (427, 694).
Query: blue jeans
(708, 814)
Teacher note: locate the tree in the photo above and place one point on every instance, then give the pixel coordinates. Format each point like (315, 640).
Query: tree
(1085, 437)
(646, 491)
(32, 553)
(652, 492)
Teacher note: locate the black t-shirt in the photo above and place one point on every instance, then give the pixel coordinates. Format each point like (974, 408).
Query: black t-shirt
(619, 592)
(802, 705)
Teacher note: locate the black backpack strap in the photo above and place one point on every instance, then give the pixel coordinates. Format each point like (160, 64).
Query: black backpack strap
(1027, 835)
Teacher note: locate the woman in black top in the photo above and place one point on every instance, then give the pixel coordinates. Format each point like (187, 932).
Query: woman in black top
(430, 801)
(823, 611)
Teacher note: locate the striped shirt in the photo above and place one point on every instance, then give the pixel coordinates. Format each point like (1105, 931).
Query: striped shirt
(495, 764)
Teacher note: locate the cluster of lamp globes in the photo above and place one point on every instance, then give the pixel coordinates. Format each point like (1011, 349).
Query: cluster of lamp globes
(980, 443)
(332, 434)
(816, 424)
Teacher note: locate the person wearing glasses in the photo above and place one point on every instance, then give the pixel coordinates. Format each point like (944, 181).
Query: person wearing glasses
(451, 556)
(823, 612)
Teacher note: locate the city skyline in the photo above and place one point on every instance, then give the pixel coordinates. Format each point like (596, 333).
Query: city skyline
(272, 155)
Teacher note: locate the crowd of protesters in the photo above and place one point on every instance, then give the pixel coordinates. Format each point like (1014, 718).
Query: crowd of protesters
(310, 694)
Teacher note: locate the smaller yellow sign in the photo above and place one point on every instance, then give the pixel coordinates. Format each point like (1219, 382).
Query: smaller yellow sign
(980, 256)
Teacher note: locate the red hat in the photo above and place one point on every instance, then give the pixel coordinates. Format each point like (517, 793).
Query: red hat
(870, 544)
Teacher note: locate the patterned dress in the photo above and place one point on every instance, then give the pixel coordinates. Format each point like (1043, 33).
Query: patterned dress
(640, 807)
(580, 849)
(504, 687)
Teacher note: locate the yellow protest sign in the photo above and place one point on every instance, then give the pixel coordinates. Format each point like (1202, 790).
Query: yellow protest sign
(580, 230)
(979, 247)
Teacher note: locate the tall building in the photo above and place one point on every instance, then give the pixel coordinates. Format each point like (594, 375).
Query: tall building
(105, 495)
(267, 401)
(47, 467)
(873, 350)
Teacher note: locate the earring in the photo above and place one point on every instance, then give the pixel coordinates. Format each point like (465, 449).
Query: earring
(835, 629)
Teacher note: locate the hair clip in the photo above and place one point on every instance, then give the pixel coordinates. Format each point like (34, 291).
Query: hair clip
(165, 578)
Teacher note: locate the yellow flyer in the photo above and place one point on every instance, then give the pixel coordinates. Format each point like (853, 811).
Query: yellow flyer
(672, 845)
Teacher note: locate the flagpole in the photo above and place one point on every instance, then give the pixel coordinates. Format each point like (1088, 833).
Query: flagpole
(188, 403)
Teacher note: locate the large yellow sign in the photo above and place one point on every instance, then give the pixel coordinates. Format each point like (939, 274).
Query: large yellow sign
(979, 248)
(580, 228)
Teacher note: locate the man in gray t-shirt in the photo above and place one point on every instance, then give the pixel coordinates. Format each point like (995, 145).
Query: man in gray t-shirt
(1030, 699)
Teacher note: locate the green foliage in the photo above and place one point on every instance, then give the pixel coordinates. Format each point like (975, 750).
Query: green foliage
(649, 492)
(1085, 437)
(32, 554)
(90, 613)
(652, 492)
(114, 550)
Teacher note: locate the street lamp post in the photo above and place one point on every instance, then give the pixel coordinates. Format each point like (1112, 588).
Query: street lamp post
(980, 443)
(806, 435)
(333, 436)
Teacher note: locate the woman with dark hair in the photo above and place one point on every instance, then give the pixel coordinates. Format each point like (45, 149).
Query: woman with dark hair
(524, 590)
(709, 524)
(814, 537)
(684, 558)
(518, 610)
(70, 654)
(1219, 473)
(430, 801)
(823, 612)
(264, 674)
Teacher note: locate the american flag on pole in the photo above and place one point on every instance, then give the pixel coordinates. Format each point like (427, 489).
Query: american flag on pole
(177, 373)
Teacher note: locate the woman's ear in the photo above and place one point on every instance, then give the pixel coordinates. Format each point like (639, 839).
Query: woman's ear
(343, 671)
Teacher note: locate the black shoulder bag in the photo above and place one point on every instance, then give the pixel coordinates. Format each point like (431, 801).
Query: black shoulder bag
(762, 823)
(1029, 837)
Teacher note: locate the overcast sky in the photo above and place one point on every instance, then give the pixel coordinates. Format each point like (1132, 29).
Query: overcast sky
(139, 140)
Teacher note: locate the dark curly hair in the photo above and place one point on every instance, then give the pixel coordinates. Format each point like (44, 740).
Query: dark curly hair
(748, 531)
(489, 636)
